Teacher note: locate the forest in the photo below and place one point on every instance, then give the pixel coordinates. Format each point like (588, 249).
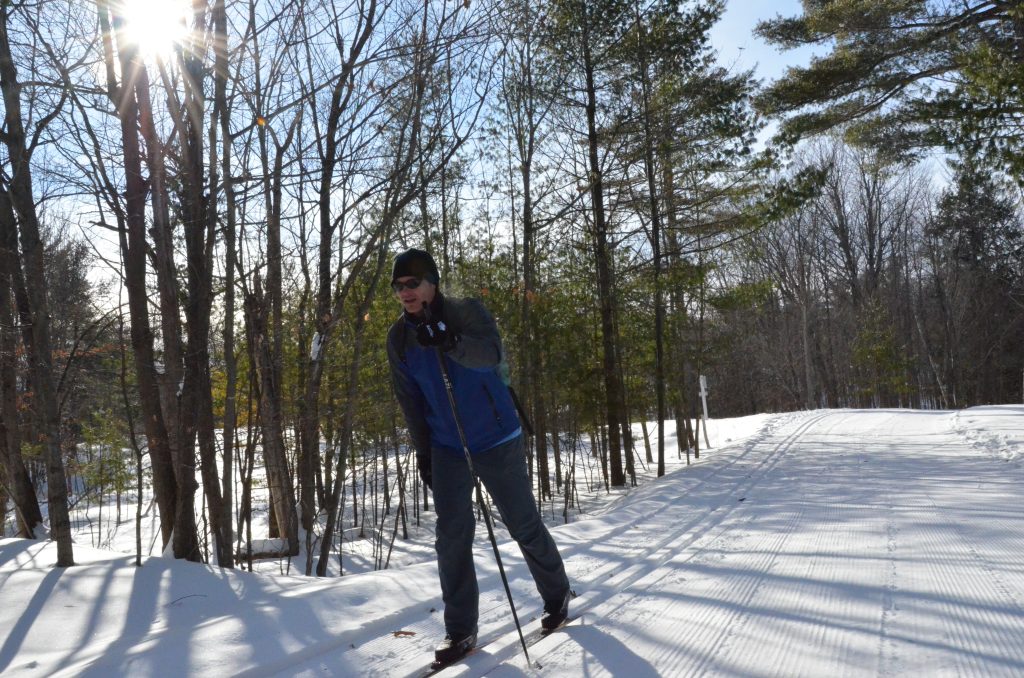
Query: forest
(200, 202)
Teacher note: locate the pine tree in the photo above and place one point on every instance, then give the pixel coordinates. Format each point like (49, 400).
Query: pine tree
(587, 33)
(910, 73)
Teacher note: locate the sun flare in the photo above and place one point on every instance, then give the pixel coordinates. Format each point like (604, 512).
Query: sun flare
(155, 26)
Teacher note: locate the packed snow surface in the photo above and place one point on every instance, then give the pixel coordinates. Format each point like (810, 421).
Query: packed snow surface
(824, 543)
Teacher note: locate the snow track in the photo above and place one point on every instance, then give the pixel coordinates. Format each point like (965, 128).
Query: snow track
(876, 543)
(834, 543)
(630, 564)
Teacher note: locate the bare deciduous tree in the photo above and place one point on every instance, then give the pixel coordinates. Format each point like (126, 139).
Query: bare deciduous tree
(22, 199)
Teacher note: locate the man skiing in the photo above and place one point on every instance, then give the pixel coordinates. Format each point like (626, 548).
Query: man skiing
(466, 336)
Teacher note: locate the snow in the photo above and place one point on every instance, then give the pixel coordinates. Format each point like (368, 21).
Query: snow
(823, 543)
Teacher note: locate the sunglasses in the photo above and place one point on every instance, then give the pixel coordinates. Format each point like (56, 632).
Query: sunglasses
(398, 285)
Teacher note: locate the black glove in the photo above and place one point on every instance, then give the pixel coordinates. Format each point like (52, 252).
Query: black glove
(426, 475)
(435, 333)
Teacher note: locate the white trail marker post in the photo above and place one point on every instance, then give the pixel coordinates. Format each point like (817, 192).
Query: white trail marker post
(704, 403)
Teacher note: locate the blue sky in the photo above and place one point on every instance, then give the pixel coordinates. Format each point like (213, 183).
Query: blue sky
(737, 45)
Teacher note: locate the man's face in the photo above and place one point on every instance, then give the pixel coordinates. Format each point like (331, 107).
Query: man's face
(413, 298)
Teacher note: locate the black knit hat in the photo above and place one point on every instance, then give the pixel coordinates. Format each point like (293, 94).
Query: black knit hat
(416, 263)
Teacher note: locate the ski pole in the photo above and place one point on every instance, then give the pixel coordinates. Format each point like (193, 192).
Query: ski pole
(479, 491)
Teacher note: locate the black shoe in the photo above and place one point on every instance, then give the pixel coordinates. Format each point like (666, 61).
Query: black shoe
(453, 649)
(555, 613)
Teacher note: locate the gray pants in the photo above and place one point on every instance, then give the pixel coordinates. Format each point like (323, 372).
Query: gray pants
(503, 472)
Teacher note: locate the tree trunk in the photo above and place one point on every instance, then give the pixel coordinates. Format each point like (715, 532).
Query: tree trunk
(18, 482)
(132, 239)
(308, 405)
(163, 264)
(230, 363)
(334, 502)
(530, 349)
(602, 255)
(200, 221)
(38, 352)
(279, 478)
(272, 308)
(654, 204)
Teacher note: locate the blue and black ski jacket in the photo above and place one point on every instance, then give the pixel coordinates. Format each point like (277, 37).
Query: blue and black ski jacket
(479, 378)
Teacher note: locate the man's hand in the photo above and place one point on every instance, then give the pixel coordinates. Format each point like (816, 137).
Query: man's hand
(434, 333)
(425, 473)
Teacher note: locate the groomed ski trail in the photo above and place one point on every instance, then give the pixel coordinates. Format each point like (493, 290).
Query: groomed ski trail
(849, 543)
(868, 543)
(604, 555)
(841, 543)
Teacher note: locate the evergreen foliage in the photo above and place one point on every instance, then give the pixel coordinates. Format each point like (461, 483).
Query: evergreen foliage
(910, 73)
